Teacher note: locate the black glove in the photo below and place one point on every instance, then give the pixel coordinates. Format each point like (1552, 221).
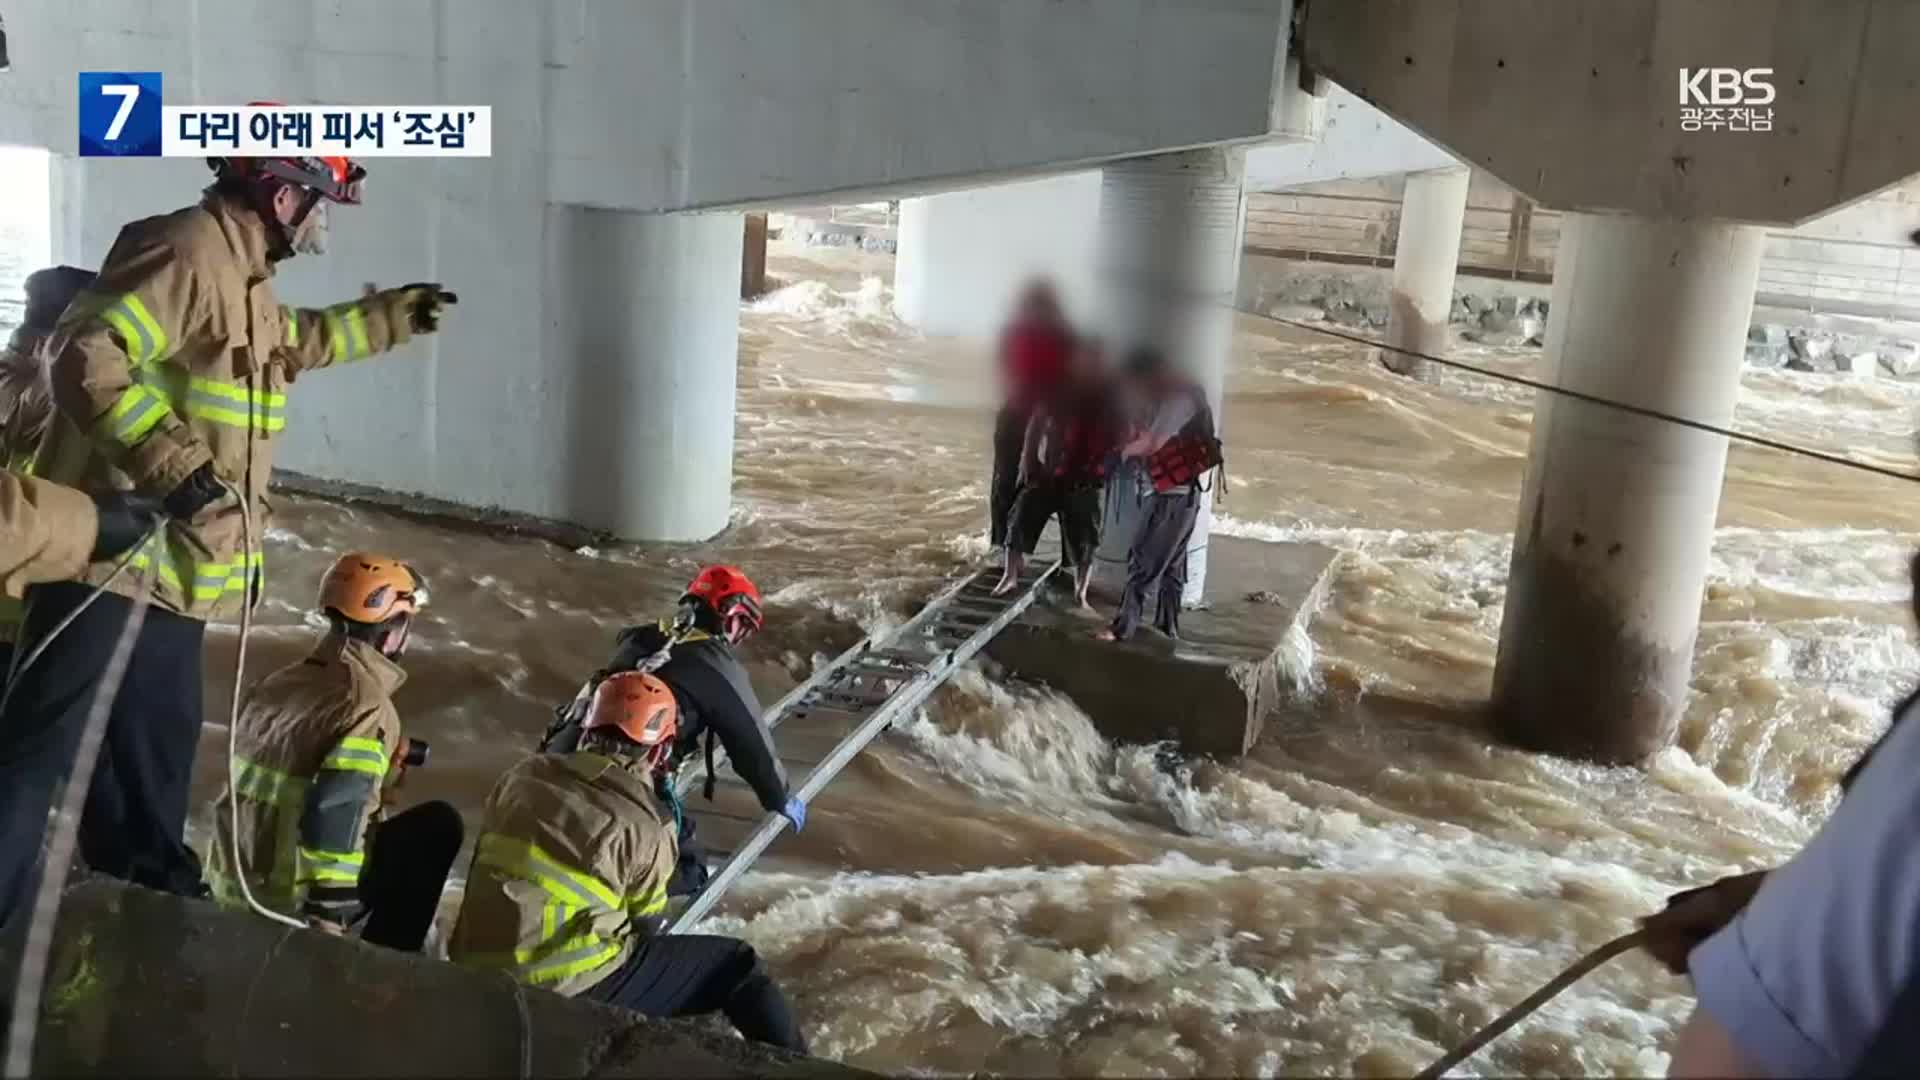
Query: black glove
(197, 492)
(425, 301)
(125, 518)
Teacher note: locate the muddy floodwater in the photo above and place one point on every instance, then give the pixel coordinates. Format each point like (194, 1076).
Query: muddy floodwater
(997, 888)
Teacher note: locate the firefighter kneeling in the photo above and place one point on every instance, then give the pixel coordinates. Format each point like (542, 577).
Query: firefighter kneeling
(568, 889)
(319, 752)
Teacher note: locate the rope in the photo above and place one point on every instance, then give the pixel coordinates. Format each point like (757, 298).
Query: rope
(32, 977)
(1580, 969)
(21, 664)
(233, 712)
(1595, 399)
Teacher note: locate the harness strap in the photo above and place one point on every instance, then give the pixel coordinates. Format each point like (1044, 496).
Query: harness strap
(706, 789)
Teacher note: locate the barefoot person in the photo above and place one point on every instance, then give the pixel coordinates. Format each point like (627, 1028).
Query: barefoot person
(1035, 349)
(1062, 466)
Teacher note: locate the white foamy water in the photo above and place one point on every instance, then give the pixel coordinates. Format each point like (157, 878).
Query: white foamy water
(997, 888)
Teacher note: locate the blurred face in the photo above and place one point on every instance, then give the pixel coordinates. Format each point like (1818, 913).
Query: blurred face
(1039, 304)
(1089, 363)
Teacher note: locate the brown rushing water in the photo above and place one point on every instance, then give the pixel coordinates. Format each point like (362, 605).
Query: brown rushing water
(997, 888)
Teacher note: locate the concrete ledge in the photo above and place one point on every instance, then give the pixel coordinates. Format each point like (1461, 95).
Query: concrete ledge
(1209, 693)
(145, 984)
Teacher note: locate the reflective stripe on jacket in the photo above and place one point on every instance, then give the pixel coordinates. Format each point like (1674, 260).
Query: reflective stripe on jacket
(315, 744)
(179, 355)
(571, 869)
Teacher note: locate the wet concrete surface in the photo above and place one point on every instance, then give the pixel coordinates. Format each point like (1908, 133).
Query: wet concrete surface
(146, 984)
(1208, 693)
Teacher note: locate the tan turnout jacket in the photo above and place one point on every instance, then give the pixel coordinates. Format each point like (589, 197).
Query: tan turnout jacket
(26, 403)
(46, 532)
(181, 355)
(316, 745)
(571, 870)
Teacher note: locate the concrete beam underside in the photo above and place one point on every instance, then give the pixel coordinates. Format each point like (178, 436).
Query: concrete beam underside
(1579, 105)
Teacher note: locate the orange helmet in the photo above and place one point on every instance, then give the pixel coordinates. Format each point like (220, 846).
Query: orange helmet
(639, 706)
(335, 178)
(367, 588)
(731, 594)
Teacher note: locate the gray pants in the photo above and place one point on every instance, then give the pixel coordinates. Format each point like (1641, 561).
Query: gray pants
(1157, 562)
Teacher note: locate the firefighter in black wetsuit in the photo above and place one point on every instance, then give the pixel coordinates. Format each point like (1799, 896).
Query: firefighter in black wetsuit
(693, 654)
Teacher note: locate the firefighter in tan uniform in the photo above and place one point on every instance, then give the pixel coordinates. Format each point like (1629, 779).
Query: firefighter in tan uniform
(26, 407)
(568, 888)
(49, 532)
(319, 754)
(26, 399)
(171, 381)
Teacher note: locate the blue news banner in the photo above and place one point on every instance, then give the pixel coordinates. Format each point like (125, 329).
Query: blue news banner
(122, 114)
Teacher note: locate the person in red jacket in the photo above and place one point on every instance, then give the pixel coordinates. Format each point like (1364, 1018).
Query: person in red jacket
(1034, 352)
(1072, 435)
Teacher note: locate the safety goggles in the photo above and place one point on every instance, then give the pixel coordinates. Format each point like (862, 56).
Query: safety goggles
(316, 175)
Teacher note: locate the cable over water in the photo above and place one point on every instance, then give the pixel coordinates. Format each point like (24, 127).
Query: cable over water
(1595, 399)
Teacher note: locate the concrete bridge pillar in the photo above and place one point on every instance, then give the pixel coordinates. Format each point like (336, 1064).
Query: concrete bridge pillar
(643, 319)
(1432, 212)
(1617, 513)
(965, 255)
(1171, 228)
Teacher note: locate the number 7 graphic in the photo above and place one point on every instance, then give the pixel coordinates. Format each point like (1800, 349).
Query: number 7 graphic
(128, 93)
(120, 114)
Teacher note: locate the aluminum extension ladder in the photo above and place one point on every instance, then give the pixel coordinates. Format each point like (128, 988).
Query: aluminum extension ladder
(847, 704)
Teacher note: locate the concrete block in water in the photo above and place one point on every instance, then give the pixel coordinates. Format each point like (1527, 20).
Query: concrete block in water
(146, 984)
(1208, 693)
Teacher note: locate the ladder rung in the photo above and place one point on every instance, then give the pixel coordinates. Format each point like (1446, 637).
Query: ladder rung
(864, 701)
(897, 656)
(809, 708)
(983, 603)
(883, 671)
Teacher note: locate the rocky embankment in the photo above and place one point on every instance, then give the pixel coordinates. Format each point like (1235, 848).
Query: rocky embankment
(1491, 312)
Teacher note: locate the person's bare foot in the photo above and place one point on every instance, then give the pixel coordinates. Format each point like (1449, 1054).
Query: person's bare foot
(1106, 635)
(1085, 605)
(1005, 586)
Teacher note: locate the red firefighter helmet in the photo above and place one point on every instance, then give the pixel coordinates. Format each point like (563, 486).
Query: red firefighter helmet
(732, 596)
(335, 178)
(638, 706)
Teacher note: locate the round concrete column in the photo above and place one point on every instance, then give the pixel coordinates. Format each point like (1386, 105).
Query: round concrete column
(1171, 228)
(644, 318)
(1616, 516)
(965, 255)
(1432, 211)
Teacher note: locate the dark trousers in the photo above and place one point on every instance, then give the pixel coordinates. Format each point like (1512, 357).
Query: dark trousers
(408, 857)
(692, 974)
(135, 819)
(1075, 503)
(1157, 563)
(1009, 439)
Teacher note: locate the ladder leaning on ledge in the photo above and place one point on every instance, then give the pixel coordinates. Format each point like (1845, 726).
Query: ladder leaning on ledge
(864, 690)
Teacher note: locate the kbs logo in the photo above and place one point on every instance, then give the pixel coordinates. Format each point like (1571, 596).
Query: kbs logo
(1726, 99)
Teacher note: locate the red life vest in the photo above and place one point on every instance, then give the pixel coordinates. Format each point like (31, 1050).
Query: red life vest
(1085, 444)
(1188, 456)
